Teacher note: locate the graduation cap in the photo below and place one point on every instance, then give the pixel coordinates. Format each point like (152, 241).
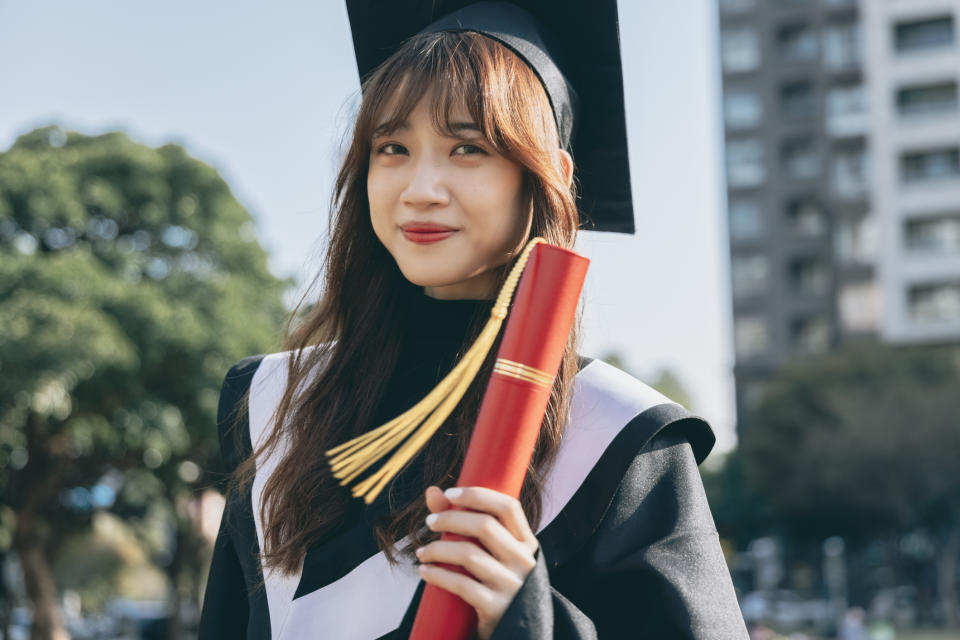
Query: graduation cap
(574, 48)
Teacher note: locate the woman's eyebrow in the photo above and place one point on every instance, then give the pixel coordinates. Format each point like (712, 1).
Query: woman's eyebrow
(388, 127)
(459, 127)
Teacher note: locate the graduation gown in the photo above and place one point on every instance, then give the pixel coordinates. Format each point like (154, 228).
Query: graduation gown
(628, 547)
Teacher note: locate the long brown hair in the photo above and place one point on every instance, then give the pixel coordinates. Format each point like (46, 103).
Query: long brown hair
(334, 343)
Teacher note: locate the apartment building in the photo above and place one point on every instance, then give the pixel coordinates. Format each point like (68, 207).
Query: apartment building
(912, 60)
(843, 193)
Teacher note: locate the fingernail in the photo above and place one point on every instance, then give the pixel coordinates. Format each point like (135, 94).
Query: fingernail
(454, 492)
(419, 551)
(431, 519)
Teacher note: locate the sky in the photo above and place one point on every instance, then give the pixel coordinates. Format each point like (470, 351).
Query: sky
(264, 93)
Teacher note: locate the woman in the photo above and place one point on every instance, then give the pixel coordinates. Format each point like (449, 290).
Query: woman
(460, 155)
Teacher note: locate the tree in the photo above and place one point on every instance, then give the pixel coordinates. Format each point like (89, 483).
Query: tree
(130, 280)
(741, 511)
(863, 441)
(663, 380)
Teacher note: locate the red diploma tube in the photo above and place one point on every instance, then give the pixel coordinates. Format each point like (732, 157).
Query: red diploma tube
(513, 405)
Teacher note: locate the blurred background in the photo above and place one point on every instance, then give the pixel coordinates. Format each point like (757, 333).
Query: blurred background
(165, 175)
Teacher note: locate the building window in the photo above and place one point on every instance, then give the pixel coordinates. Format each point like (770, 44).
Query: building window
(746, 219)
(751, 276)
(797, 43)
(855, 241)
(841, 46)
(805, 218)
(850, 173)
(930, 165)
(935, 302)
(745, 163)
(859, 306)
(808, 275)
(742, 108)
(927, 99)
(798, 100)
(921, 35)
(799, 159)
(937, 234)
(810, 335)
(847, 110)
(736, 6)
(739, 50)
(751, 337)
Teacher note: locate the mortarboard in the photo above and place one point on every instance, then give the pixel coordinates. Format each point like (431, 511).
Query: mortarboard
(574, 48)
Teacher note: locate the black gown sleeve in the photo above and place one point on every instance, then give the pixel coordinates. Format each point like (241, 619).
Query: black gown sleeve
(652, 569)
(225, 606)
(226, 602)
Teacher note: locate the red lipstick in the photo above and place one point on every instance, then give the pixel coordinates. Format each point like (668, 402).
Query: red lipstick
(426, 233)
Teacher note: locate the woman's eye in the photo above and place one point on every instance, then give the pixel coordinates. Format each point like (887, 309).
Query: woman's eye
(391, 149)
(467, 150)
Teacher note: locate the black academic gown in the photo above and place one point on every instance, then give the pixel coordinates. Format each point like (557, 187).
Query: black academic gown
(628, 547)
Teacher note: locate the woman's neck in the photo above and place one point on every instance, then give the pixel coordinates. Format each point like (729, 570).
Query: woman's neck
(482, 286)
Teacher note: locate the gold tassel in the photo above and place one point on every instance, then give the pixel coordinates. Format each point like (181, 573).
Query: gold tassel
(420, 422)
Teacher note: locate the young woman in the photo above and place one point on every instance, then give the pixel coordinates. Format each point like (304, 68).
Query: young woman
(460, 155)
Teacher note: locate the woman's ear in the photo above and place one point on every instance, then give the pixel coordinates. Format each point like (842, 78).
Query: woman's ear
(566, 165)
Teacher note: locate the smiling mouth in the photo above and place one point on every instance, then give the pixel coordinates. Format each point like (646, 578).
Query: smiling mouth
(428, 236)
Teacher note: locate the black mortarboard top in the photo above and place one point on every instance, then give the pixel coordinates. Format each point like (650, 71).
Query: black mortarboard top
(574, 48)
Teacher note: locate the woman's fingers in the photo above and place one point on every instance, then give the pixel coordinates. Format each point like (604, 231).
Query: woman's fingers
(506, 509)
(478, 562)
(486, 601)
(436, 501)
(516, 554)
(498, 555)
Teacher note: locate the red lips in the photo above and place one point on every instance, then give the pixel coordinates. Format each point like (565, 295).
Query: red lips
(426, 232)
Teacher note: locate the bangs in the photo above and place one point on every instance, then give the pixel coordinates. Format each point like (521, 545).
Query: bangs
(460, 71)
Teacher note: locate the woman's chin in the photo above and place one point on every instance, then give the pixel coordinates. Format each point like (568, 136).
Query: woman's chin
(427, 277)
(452, 287)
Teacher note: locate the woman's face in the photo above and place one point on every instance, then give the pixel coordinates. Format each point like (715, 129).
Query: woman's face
(448, 209)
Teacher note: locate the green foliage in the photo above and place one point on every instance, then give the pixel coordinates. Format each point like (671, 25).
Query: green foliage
(740, 510)
(664, 381)
(130, 280)
(861, 440)
(669, 385)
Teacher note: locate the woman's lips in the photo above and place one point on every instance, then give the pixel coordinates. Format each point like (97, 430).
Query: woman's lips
(427, 237)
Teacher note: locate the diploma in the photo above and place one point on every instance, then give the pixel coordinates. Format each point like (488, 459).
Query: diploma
(512, 410)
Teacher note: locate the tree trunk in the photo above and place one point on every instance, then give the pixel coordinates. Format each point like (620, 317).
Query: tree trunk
(178, 563)
(174, 628)
(41, 589)
(39, 481)
(6, 602)
(947, 574)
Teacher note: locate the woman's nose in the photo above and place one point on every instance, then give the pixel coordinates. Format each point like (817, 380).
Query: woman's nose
(426, 186)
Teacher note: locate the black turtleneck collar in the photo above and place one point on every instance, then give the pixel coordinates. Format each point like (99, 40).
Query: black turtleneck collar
(441, 319)
(434, 334)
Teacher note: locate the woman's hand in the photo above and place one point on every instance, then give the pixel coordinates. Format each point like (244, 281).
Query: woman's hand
(498, 568)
